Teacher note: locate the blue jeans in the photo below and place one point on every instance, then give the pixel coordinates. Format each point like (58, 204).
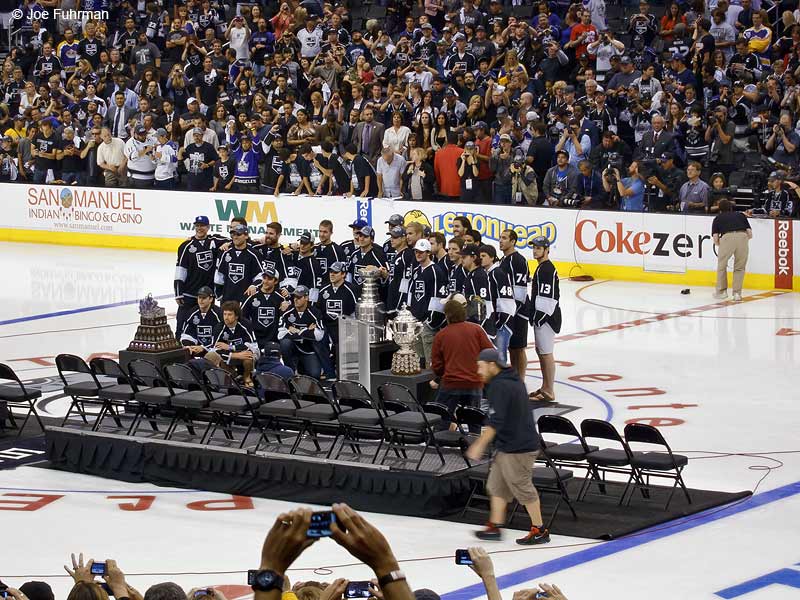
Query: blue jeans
(70, 176)
(501, 193)
(452, 397)
(293, 358)
(501, 341)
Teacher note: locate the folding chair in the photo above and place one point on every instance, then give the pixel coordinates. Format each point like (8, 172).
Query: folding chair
(233, 401)
(460, 437)
(321, 418)
(279, 407)
(413, 421)
(571, 454)
(83, 391)
(606, 460)
(655, 464)
(114, 396)
(363, 422)
(16, 395)
(152, 393)
(549, 479)
(193, 398)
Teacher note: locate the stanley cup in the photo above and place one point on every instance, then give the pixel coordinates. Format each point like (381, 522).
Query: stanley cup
(370, 308)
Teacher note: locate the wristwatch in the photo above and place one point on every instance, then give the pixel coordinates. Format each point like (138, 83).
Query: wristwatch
(266, 581)
(391, 577)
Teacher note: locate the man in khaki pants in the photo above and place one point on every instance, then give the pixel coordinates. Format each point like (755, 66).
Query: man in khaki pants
(732, 234)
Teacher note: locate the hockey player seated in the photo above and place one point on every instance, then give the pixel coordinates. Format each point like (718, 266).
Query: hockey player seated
(234, 347)
(300, 334)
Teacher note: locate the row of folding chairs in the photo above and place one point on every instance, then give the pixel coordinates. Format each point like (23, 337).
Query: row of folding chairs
(300, 409)
(14, 394)
(617, 456)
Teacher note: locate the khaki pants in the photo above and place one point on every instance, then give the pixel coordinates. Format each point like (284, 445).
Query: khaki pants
(114, 179)
(423, 345)
(511, 477)
(736, 244)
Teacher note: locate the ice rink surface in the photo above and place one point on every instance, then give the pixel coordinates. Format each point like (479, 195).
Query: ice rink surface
(716, 377)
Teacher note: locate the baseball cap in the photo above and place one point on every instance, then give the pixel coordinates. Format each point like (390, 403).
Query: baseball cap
(469, 144)
(480, 28)
(677, 56)
(450, 92)
(470, 250)
(422, 246)
(239, 228)
(505, 137)
(539, 240)
(300, 291)
(492, 355)
(394, 220)
(205, 291)
(201, 220)
(37, 590)
(397, 231)
(480, 125)
(358, 224)
(459, 36)
(625, 60)
(564, 152)
(306, 239)
(271, 349)
(776, 175)
(140, 129)
(269, 271)
(8, 139)
(161, 132)
(191, 100)
(667, 156)
(531, 115)
(338, 267)
(197, 131)
(426, 26)
(367, 231)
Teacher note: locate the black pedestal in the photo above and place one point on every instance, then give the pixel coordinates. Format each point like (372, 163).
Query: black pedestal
(380, 355)
(159, 359)
(418, 384)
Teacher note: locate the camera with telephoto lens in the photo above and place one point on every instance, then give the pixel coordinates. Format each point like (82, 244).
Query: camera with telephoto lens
(711, 118)
(647, 167)
(571, 201)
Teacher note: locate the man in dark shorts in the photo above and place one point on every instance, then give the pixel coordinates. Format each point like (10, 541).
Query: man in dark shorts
(516, 443)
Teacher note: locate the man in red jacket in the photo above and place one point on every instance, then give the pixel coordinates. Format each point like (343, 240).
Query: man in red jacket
(445, 167)
(455, 358)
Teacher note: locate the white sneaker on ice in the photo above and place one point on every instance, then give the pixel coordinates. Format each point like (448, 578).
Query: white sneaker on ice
(721, 295)
(737, 297)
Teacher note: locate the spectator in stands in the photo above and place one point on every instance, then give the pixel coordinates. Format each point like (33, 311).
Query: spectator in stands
(694, 195)
(111, 159)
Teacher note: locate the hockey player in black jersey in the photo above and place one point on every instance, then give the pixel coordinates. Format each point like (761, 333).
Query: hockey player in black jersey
(197, 259)
(388, 250)
(328, 251)
(426, 295)
(366, 256)
(198, 329)
(545, 315)
(337, 299)
(516, 266)
(349, 246)
(264, 309)
(238, 270)
(300, 334)
(310, 272)
(501, 295)
(395, 295)
(456, 274)
(273, 254)
(234, 343)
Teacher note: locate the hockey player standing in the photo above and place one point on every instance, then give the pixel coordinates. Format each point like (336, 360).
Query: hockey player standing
(194, 269)
(426, 295)
(545, 315)
(516, 266)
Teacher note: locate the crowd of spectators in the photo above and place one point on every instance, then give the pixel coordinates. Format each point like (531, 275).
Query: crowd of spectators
(283, 544)
(512, 102)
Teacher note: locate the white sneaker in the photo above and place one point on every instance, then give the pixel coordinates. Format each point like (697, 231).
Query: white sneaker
(737, 296)
(721, 295)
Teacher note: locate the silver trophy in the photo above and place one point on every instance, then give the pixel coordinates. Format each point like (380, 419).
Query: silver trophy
(405, 329)
(370, 307)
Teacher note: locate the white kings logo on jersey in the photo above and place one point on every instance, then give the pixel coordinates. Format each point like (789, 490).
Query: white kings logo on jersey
(236, 272)
(266, 315)
(419, 290)
(205, 259)
(333, 307)
(204, 334)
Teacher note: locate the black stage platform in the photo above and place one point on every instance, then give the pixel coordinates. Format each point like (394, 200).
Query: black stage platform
(435, 491)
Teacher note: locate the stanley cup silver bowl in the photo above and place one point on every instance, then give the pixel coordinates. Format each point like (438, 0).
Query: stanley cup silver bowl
(370, 308)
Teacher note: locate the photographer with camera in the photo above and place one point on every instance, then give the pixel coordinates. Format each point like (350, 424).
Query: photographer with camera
(610, 150)
(524, 186)
(667, 180)
(468, 173)
(591, 194)
(784, 141)
(776, 201)
(603, 49)
(561, 181)
(500, 164)
(762, 126)
(630, 189)
(719, 134)
(576, 145)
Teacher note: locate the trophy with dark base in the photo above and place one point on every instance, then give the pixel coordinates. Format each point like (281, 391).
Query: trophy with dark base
(405, 329)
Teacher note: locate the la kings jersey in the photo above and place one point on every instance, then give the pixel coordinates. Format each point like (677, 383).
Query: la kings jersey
(237, 270)
(400, 276)
(359, 259)
(263, 310)
(304, 340)
(501, 293)
(310, 275)
(199, 328)
(284, 265)
(334, 303)
(347, 247)
(239, 338)
(327, 254)
(545, 294)
(426, 294)
(457, 277)
(476, 283)
(195, 266)
(517, 268)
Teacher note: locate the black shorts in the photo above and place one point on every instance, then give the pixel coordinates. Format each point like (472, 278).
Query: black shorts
(519, 333)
